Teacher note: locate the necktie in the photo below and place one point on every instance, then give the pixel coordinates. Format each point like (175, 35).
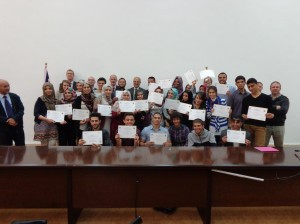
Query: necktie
(8, 108)
(134, 96)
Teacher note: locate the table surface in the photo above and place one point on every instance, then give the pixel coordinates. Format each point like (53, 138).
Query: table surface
(31, 156)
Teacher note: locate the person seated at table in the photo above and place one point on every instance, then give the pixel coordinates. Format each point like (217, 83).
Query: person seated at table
(128, 121)
(154, 128)
(200, 136)
(236, 124)
(94, 125)
(178, 131)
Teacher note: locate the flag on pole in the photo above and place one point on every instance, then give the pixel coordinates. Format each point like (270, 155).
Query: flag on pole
(47, 79)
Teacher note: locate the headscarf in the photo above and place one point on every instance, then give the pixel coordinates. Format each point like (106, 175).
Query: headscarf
(49, 100)
(107, 98)
(125, 91)
(175, 93)
(180, 87)
(88, 99)
(116, 104)
(69, 101)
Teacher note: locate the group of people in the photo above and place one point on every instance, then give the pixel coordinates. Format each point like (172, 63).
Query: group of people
(179, 129)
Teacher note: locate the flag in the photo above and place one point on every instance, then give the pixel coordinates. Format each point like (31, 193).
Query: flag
(47, 79)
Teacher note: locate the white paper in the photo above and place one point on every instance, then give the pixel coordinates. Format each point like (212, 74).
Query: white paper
(152, 87)
(221, 110)
(236, 136)
(119, 94)
(104, 110)
(127, 106)
(190, 76)
(205, 73)
(67, 108)
(97, 94)
(154, 97)
(79, 114)
(158, 138)
(197, 114)
(257, 113)
(57, 116)
(171, 104)
(141, 105)
(184, 108)
(126, 131)
(165, 83)
(92, 137)
(222, 88)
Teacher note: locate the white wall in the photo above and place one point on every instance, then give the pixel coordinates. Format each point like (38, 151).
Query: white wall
(255, 38)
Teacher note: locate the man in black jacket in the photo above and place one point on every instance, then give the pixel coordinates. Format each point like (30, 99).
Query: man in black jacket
(11, 117)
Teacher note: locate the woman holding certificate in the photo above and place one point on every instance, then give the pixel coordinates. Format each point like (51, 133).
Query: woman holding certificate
(117, 115)
(178, 84)
(65, 84)
(173, 95)
(45, 129)
(216, 124)
(67, 131)
(186, 97)
(84, 102)
(140, 116)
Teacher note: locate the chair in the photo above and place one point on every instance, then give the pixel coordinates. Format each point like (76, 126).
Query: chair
(39, 221)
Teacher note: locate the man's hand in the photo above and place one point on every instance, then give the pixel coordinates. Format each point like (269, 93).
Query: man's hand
(11, 122)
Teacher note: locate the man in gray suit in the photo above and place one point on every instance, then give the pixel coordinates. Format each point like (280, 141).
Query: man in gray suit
(136, 87)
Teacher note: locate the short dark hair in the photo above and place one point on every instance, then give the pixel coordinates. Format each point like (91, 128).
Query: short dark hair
(102, 79)
(251, 80)
(156, 113)
(197, 121)
(152, 77)
(237, 117)
(223, 73)
(96, 114)
(239, 77)
(213, 88)
(176, 114)
(274, 83)
(128, 114)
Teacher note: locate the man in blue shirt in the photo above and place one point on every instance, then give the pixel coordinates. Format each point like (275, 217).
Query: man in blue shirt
(154, 128)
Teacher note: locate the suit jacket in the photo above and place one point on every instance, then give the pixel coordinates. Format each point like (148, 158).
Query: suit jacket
(18, 110)
(131, 90)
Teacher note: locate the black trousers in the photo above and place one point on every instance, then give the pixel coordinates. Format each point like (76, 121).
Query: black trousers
(10, 134)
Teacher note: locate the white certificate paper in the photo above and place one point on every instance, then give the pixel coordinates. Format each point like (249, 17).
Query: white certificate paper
(126, 131)
(154, 97)
(158, 138)
(184, 108)
(205, 73)
(67, 108)
(127, 106)
(222, 88)
(104, 110)
(171, 104)
(257, 113)
(197, 114)
(236, 136)
(141, 105)
(92, 137)
(152, 87)
(165, 83)
(79, 114)
(221, 110)
(190, 76)
(119, 94)
(57, 116)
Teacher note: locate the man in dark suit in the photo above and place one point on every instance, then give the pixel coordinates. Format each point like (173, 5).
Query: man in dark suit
(11, 117)
(70, 77)
(136, 87)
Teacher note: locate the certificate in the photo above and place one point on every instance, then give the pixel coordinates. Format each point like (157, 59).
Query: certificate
(126, 131)
(257, 113)
(221, 111)
(127, 106)
(197, 114)
(79, 115)
(184, 108)
(158, 138)
(152, 87)
(222, 88)
(67, 108)
(190, 76)
(141, 105)
(104, 110)
(154, 97)
(92, 137)
(236, 136)
(171, 104)
(57, 116)
(165, 84)
(205, 73)
(119, 94)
